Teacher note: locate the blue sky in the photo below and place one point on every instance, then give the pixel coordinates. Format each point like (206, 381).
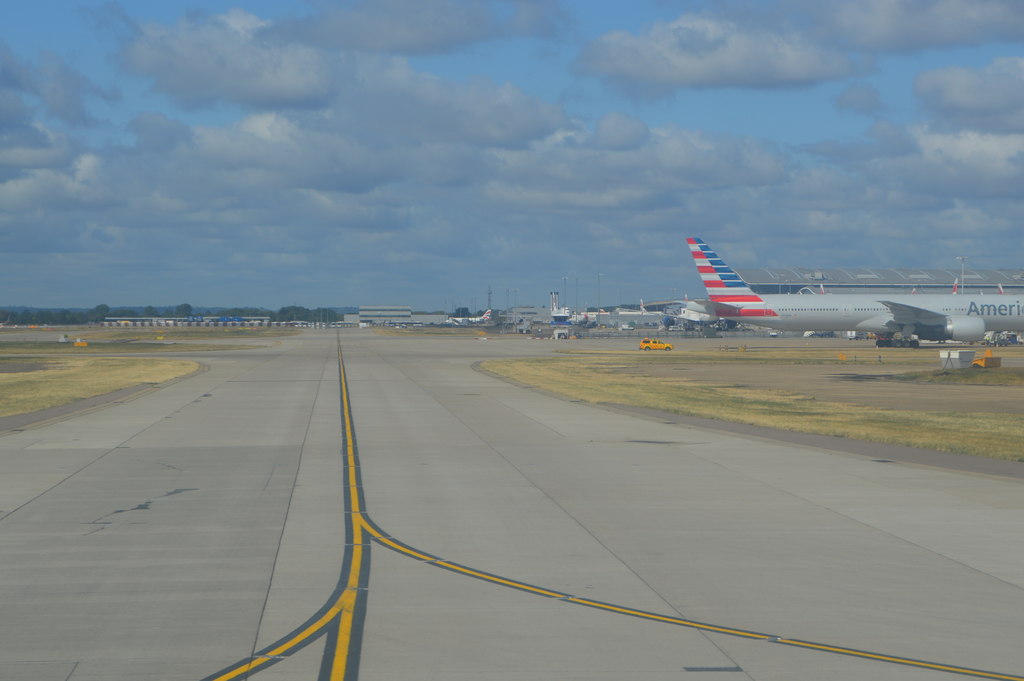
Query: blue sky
(419, 152)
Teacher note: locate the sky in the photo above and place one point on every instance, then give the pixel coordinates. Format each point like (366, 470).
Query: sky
(450, 153)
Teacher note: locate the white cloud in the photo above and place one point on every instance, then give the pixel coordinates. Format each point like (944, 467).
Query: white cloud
(934, 166)
(395, 103)
(703, 51)
(619, 131)
(34, 146)
(412, 27)
(82, 183)
(58, 86)
(990, 99)
(668, 165)
(910, 25)
(977, 159)
(227, 58)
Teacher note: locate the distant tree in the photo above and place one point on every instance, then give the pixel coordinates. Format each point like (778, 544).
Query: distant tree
(46, 317)
(66, 317)
(99, 313)
(293, 313)
(150, 311)
(461, 312)
(124, 312)
(183, 310)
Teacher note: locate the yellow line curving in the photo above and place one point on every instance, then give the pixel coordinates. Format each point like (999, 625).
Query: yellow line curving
(344, 607)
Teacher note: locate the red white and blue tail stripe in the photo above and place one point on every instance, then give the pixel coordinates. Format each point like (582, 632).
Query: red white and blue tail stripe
(731, 295)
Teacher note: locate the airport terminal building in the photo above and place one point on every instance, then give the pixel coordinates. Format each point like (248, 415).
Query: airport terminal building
(881, 280)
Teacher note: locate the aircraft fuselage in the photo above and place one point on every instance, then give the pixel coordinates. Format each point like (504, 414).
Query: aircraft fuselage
(929, 316)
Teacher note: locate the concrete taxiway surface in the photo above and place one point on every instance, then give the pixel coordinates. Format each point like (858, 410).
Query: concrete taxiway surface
(201, 525)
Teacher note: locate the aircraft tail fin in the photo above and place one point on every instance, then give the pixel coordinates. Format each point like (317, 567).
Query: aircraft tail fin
(731, 295)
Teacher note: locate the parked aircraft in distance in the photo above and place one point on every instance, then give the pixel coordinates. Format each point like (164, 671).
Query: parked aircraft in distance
(898, 320)
(687, 310)
(627, 312)
(483, 319)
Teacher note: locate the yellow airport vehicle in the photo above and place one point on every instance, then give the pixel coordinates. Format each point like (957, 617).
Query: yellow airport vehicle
(654, 344)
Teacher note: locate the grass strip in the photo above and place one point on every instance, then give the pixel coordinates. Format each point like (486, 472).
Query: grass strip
(110, 348)
(44, 382)
(612, 378)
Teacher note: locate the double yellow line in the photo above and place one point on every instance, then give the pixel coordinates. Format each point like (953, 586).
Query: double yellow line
(341, 618)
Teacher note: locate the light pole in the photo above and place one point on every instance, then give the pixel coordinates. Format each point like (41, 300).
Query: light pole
(515, 309)
(599, 275)
(962, 259)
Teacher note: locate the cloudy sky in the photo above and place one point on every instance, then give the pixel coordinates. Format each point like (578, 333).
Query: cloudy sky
(346, 152)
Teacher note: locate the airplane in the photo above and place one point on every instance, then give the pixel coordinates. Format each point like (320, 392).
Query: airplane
(895, 319)
(687, 310)
(483, 319)
(626, 312)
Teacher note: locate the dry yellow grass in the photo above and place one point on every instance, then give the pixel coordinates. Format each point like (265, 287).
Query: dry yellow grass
(615, 378)
(49, 382)
(111, 348)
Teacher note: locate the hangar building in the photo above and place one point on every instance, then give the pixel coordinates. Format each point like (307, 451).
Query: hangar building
(880, 280)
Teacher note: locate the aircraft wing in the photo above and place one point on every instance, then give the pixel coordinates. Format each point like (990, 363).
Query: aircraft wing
(905, 315)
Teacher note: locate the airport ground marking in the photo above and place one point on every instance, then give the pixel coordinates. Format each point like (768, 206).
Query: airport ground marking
(342, 617)
(398, 546)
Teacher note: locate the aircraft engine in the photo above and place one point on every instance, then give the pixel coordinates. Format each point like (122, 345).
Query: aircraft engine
(959, 328)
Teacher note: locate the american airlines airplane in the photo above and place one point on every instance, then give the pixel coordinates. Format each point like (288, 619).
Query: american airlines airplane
(912, 317)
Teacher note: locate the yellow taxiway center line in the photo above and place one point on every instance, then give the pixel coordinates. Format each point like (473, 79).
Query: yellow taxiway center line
(345, 605)
(350, 597)
(360, 520)
(348, 602)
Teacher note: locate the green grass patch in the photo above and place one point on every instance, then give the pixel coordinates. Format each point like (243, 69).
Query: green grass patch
(613, 378)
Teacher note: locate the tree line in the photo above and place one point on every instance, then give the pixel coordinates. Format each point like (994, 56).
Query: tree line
(46, 317)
